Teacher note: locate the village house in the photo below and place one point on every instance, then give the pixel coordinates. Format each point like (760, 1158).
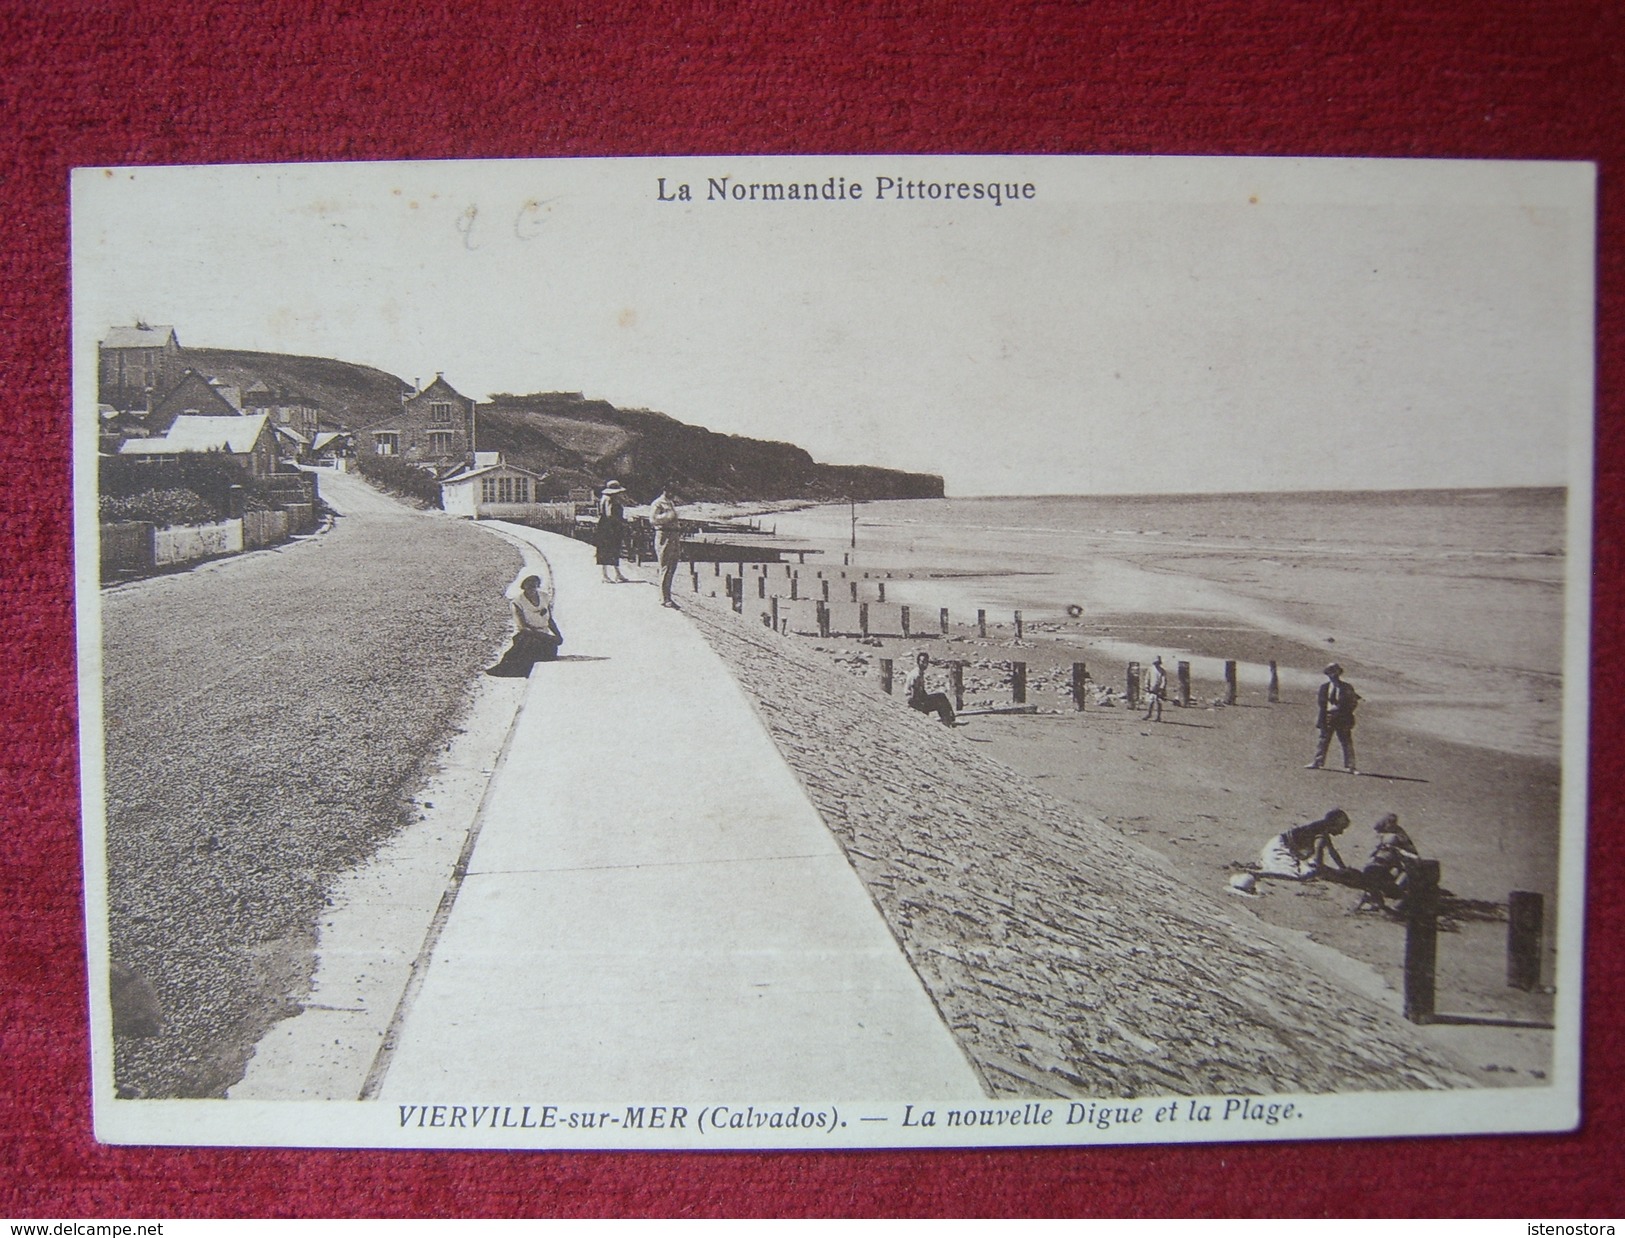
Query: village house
(435, 427)
(135, 362)
(495, 490)
(286, 409)
(193, 395)
(246, 440)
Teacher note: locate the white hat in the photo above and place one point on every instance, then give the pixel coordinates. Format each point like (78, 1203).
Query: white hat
(614, 487)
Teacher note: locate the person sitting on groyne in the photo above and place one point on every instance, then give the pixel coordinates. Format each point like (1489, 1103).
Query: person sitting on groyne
(919, 695)
(536, 635)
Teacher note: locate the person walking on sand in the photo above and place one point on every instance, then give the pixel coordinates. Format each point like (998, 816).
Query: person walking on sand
(1155, 690)
(921, 698)
(1305, 850)
(611, 531)
(1337, 702)
(536, 635)
(668, 541)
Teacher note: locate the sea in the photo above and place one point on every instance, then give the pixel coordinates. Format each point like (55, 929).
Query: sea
(1449, 604)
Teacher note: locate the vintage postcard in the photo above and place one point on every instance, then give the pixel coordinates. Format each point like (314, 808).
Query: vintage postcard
(833, 652)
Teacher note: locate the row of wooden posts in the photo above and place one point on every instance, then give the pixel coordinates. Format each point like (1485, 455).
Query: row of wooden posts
(1526, 918)
(734, 588)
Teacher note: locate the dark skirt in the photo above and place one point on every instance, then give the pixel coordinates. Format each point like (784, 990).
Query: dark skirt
(607, 539)
(529, 647)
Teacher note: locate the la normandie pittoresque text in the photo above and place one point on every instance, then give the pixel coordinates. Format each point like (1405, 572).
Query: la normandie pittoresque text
(841, 189)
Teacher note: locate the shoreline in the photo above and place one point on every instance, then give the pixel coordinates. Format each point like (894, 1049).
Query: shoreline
(1210, 784)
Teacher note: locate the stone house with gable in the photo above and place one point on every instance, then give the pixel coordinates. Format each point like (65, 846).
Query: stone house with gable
(134, 362)
(435, 426)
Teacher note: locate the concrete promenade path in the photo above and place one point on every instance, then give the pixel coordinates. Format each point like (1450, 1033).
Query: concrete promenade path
(652, 907)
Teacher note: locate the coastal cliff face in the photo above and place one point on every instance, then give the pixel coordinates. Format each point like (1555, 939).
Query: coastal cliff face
(1067, 961)
(568, 435)
(581, 442)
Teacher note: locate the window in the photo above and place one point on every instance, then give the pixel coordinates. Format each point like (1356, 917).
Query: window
(440, 442)
(440, 413)
(389, 443)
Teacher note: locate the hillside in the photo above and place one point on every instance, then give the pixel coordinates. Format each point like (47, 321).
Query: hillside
(349, 394)
(582, 442)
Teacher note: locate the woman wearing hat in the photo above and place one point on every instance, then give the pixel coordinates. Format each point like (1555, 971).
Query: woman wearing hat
(611, 531)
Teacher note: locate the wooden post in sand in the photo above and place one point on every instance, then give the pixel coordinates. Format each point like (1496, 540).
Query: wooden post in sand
(1080, 676)
(854, 589)
(1230, 683)
(1526, 915)
(1018, 625)
(903, 618)
(1275, 684)
(775, 612)
(716, 567)
(885, 675)
(981, 624)
(761, 586)
(795, 588)
(823, 619)
(1018, 682)
(1131, 684)
(863, 618)
(1184, 672)
(1421, 941)
(825, 585)
(882, 587)
(943, 615)
(956, 681)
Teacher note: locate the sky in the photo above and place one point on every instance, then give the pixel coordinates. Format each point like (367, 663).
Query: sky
(1132, 326)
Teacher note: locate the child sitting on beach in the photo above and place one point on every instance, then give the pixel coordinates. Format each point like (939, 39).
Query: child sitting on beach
(1387, 875)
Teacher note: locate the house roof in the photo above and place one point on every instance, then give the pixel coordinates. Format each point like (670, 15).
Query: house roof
(328, 436)
(455, 478)
(290, 433)
(138, 336)
(197, 434)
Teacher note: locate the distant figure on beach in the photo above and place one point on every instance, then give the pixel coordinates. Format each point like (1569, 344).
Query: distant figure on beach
(668, 541)
(611, 531)
(1305, 851)
(920, 698)
(1156, 689)
(536, 635)
(1393, 863)
(1338, 701)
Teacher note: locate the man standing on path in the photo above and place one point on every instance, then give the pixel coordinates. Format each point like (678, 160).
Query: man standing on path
(1155, 690)
(668, 541)
(919, 698)
(1336, 717)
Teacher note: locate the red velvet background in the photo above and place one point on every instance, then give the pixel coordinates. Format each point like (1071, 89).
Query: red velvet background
(230, 80)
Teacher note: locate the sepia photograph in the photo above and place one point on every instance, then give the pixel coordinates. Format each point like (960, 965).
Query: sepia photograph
(838, 652)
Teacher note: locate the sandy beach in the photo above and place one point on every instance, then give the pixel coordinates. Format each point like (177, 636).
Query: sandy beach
(1471, 770)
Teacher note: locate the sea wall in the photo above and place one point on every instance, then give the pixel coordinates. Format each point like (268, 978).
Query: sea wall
(1067, 961)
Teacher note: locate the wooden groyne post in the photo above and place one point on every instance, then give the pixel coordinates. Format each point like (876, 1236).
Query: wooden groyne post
(775, 612)
(854, 588)
(1184, 671)
(885, 675)
(981, 624)
(1230, 683)
(1080, 676)
(1275, 684)
(1421, 941)
(903, 618)
(1018, 682)
(863, 618)
(881, 585)
(943, 616)
(823, 619)
(1131, 685)
(1526, 916)
(956, 680)
(1018, 625)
